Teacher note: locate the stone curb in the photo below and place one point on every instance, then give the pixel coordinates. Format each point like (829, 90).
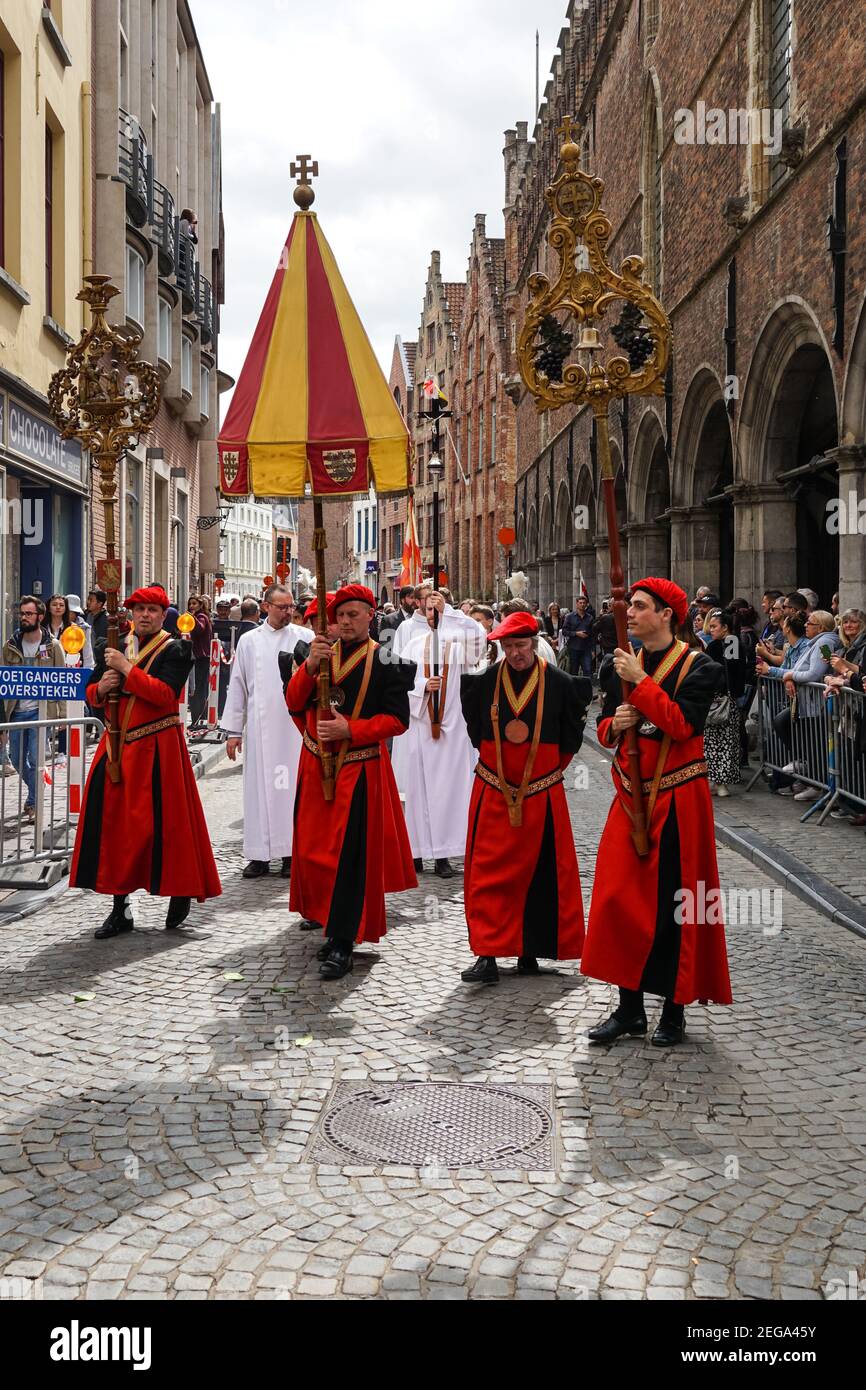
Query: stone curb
(819, 893)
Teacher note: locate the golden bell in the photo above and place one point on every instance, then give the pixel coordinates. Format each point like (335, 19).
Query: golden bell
(589, 340)
(73, 640)
(185, 623)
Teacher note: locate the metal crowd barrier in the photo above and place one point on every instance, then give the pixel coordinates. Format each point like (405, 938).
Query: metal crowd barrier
(827, 745)
(45, 836)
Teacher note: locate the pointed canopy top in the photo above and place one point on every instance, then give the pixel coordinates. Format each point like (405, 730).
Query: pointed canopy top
(312, 405)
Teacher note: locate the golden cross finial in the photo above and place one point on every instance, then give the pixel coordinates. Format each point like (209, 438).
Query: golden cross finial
(304, 169)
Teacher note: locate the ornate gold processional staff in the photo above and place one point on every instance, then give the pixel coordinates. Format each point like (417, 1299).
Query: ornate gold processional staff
(644, 332)
(105, 397)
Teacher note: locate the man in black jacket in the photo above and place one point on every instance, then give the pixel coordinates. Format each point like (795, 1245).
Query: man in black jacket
(408, 605)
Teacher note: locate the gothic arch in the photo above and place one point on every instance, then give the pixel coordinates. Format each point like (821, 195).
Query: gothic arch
(854, 391)
(563, 535)
(766, 427)
(649, 446)
(704, 392)
(545, 538)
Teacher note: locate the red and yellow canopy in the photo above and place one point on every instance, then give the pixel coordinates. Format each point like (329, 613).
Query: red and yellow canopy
(311, 404)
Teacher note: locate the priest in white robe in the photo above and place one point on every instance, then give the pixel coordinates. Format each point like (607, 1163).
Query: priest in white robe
(258, 724)
(434, 765)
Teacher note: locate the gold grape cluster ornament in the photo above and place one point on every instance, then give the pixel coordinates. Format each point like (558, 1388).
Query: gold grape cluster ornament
(586, 293)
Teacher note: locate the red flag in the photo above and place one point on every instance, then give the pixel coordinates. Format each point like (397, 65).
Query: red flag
(411, 571)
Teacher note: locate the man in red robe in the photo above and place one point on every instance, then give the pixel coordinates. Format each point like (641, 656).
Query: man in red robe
(649, 927)
(521, 882)
(146, 830)
(350, 851)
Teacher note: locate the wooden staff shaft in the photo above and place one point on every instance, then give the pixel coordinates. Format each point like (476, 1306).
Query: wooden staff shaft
(320, 545)
(108, 470)
(620, 613)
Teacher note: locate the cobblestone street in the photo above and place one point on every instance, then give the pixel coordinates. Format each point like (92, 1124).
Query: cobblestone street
(156, 1136)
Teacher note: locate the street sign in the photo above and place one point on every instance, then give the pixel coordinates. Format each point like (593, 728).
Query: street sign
(43, 682)
(372, 567)
(507, 537)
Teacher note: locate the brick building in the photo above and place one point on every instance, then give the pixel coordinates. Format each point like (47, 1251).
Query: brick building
(728, 478)
(157, 155)
(392, 510)
(441, 316)
(481, 482)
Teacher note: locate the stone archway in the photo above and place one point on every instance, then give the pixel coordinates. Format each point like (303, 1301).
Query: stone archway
(563, 546)
(786, 453)
(702, 514)
(602, 551)
(545, 554)
(583, 520)
(649, 500)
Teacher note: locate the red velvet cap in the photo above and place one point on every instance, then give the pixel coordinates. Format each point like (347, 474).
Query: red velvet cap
(351, 593)
(515, 625)
(312, 609)
(668, 593)
(155, 594)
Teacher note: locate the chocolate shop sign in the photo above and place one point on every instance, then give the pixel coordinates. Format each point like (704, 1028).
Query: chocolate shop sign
(39, 442)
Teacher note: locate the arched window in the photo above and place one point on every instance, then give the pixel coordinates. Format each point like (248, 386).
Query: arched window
(652, 185)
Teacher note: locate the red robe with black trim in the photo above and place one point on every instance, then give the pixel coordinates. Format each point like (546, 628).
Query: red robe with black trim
(521, 885)
(148, 830)
(646, 919)
(348, 853)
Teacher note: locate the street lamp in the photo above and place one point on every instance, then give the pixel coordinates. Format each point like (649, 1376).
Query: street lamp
(105, 397)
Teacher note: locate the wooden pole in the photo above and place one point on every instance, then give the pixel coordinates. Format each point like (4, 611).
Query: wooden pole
(620, 613)
(108, 480)
(320, 545)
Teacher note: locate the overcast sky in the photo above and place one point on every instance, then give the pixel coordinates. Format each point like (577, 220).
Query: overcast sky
(404, 106)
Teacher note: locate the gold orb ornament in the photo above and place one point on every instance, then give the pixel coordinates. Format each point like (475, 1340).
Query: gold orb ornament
(185, 623)
(73, 640)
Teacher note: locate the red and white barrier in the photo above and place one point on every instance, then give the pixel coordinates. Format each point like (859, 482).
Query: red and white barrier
(183, 707)
(216, 652)
(75, 758)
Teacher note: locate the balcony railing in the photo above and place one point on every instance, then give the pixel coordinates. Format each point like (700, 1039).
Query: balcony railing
(164, 228)
(136, 168)
(186, 272)
(206, 309)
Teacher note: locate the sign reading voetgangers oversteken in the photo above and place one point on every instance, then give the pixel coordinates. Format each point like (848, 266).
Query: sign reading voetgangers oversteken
(43, 682)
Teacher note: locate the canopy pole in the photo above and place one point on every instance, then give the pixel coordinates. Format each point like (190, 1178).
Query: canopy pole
(620, 613)
(320, 545)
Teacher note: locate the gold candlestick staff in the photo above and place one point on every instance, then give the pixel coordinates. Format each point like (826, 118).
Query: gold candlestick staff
(106, 397)
(644, 332)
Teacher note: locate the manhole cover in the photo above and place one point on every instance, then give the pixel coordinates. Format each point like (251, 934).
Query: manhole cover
(439, 1123)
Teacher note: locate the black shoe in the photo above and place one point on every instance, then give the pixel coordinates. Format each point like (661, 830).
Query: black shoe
(671, 1027)
(256, 869)
(485, 971)
(419, 865)
(286, 870)
(118, 921)
(338, 963)
(178, 911)
(528, 965)
(324, 951)
(615, 1027)
(442, 868)
(307, 925)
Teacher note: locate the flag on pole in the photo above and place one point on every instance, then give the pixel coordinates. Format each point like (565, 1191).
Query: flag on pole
(583, 591)
(411, 571)
(433, 390)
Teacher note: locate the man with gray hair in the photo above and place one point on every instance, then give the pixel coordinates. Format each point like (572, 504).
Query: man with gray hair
(255, 711)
